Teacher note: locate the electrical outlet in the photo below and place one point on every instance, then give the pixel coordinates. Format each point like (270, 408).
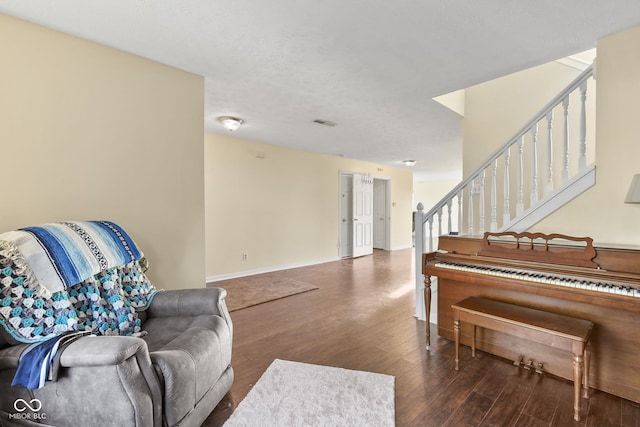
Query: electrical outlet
(245, 256)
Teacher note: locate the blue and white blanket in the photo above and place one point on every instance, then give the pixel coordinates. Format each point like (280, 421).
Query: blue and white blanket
(63, 254)
(71, 276)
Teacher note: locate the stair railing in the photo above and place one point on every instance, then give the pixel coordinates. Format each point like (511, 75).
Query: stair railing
(470, 195)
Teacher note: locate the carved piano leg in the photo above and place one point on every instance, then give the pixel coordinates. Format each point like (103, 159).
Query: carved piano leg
(456, 334)
(578, 371)
(427, 306)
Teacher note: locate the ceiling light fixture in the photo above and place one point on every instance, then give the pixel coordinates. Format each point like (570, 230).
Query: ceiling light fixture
(409, 162)
(230, 123)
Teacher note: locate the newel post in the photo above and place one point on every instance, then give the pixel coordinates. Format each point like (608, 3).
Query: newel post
(419, 250)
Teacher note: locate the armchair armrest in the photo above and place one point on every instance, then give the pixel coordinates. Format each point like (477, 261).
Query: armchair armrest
(110, 361)
(187, 302)
(102, 351)
(191, 302)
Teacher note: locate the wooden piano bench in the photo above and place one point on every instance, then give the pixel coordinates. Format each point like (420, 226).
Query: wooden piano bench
(555, 330)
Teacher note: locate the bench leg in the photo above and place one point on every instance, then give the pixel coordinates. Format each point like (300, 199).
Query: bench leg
(587, 361)
(456, 333)
(578, 368)
(473, 342)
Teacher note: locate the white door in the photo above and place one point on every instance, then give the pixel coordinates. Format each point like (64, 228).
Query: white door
(362, 214)
(379, 214)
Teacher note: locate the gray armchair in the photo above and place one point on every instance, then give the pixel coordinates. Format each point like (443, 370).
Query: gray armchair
(174, 375)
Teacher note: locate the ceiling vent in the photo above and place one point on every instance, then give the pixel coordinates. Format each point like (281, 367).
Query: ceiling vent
(324, 122)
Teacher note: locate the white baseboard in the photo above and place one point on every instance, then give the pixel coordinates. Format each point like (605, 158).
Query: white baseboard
(399, 248)
(271, 269)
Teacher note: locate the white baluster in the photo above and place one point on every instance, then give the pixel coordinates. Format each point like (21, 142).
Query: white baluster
(549, 181)
(449, 203)
(419, 250)
(506, 216)
(439, 222)
(494, 196)
(520, 204)
(534, 164)
(565, 153)
(481, 212)
(582, 160)
(459, 230)
(471, 191)
(430, 220)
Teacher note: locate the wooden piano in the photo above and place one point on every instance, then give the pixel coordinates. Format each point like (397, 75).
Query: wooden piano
(555, 273)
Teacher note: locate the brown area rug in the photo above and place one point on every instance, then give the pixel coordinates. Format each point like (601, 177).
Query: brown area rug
(253, 290)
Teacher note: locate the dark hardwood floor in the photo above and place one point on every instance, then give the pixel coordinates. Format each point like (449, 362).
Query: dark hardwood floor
(361, 317)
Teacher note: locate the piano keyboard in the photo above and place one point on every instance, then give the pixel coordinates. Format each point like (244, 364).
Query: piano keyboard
(531, 276)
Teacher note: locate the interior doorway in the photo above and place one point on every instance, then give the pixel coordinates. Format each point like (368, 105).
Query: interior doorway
(365, 214)
(381, 214)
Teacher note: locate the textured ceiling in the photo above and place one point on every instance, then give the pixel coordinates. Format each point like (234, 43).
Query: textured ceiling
(371, 66)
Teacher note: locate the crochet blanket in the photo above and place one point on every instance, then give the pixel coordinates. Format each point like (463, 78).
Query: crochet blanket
(39, 299)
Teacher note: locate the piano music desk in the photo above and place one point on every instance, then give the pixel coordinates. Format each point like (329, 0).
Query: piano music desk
(555, 330)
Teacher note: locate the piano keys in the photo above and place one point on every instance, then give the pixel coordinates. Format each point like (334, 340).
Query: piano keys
(609, 287)
(597, 284)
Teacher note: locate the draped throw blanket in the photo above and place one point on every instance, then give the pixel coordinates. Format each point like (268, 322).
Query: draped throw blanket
(63, 254)
(71, 276)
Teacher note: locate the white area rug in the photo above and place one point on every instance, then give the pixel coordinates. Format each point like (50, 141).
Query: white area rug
(299, 394)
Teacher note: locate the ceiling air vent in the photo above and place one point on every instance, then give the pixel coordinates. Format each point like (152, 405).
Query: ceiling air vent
(324, 122)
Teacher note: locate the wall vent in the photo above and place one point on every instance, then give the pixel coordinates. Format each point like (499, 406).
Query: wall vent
(324, 122)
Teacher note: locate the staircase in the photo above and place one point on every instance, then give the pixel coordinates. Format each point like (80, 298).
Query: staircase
(518, 185)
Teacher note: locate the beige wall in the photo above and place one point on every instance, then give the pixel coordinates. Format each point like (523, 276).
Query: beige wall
(430, 193)
(496, 110)
(600, 213)
(282, 209)
(89, 132)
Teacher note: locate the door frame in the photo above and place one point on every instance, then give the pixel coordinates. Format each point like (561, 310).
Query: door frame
(387, 210)
(387, 204)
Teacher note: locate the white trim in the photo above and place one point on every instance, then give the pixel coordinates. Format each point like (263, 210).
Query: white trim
(399, 248)
(341, 238)
(246, 273)
(573, 62)
(576, 186)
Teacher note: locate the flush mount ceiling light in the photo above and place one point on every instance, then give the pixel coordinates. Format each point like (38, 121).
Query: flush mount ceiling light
(230, 123)
(409, 162)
